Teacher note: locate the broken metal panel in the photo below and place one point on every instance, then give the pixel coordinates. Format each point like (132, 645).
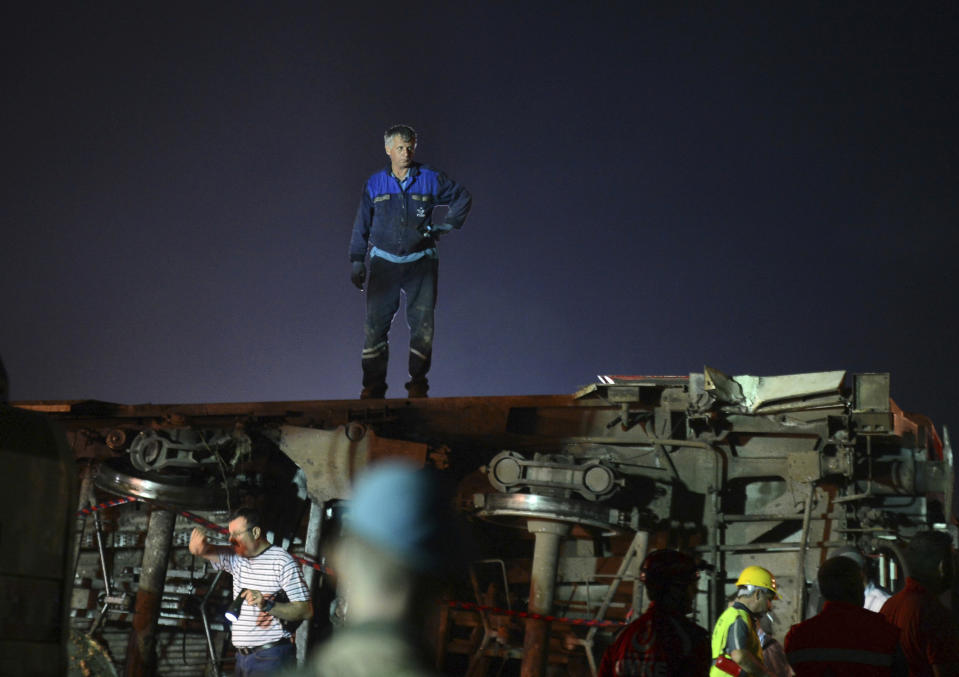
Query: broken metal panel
(330, 459)
(723, 388)
(756, 394)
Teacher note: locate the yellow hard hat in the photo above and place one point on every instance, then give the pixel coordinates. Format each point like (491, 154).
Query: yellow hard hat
(759, 577)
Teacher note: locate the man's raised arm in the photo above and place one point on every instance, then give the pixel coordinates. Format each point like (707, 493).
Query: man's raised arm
(201, 548)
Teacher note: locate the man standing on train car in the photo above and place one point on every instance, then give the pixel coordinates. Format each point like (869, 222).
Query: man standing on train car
(263, 574)
(394, 221)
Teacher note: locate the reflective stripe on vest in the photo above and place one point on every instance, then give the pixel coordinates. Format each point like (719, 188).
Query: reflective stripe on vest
(823, 655)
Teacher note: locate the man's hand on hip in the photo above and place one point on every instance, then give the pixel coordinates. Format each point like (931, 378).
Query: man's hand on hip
(434, 230)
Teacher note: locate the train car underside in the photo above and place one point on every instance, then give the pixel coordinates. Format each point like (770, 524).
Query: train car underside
(562, 497)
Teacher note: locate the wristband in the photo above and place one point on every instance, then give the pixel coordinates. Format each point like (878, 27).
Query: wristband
(268, 605)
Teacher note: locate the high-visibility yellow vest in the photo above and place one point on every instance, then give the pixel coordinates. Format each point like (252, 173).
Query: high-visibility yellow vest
(721, 633)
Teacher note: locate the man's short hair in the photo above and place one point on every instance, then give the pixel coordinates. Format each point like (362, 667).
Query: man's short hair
(840, 580)
(251, 515)
(405, 132)
(924, 553)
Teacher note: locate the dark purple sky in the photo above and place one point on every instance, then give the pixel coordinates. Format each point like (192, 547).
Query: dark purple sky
(655, 189)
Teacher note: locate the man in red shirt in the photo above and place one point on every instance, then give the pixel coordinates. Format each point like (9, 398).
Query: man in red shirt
(928, 632)
(844, 638)
(662, 642)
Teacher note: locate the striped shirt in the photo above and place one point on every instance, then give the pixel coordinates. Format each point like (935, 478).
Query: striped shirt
(272, 570)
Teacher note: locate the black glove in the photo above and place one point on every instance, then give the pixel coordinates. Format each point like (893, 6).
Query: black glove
(434, 230)
(358, 275)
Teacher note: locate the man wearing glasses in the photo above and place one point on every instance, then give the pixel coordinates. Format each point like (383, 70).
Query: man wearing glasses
(735, 645)
(272, 587)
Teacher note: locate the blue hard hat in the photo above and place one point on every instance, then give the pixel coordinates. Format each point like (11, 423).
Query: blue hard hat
(403, 510)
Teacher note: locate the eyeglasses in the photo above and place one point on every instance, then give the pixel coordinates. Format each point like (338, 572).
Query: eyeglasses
(236, 535)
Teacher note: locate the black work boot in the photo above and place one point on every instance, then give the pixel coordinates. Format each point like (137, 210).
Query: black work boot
(417, 388)
(377, 392)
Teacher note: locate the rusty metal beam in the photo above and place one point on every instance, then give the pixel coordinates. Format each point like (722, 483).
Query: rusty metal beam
(549, 535)
(141, 650)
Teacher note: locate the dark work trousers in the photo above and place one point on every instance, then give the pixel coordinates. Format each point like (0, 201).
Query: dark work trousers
(418, 280)
(266, 661)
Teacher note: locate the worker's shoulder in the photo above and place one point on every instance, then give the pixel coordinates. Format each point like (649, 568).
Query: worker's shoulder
(431, 173)
(698, 635)
(696, 629)
(659, 615)
(275, 553)
(381, 174)
(731, 613)
(425, 168)
(913, 605)
(874, 624)
(844, 625)
(799, 634)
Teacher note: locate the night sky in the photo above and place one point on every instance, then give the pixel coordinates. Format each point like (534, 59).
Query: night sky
(655, 188)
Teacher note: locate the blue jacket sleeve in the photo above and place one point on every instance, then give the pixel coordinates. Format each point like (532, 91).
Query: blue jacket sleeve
(457, 197)
(361, 227)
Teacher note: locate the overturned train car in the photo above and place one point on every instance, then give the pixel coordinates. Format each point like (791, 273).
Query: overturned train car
(563, 496)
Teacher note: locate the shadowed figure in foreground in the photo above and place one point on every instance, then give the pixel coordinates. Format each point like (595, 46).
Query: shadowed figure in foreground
(844, 638)
(397, 548)
(662, 641)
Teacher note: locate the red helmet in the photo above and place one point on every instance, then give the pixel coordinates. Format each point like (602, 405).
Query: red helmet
(662, 567)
